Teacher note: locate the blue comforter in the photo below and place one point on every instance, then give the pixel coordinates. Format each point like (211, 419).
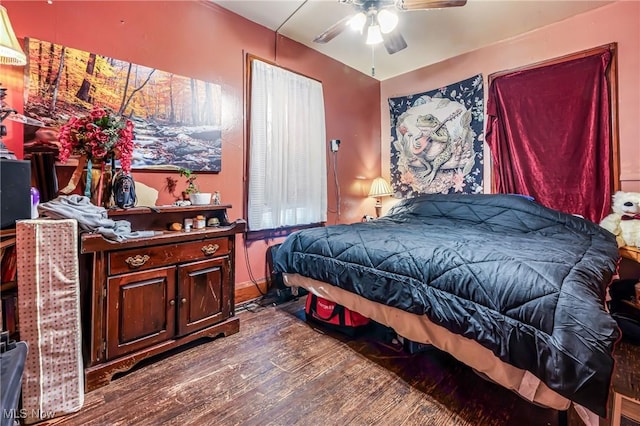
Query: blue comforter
(524, 281)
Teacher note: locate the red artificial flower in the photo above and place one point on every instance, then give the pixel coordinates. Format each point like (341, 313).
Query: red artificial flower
(98, 136)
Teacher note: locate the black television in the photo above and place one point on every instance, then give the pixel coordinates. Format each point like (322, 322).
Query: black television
(15, 191)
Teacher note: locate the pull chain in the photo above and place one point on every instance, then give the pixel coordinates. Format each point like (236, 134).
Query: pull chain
(373, 60)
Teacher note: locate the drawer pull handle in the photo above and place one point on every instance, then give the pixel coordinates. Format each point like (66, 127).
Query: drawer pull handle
(172, 302)
(183, 300)
(137, 261)
(210, 249)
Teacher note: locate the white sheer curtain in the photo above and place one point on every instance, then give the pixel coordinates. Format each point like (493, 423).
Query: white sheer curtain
(287, 160)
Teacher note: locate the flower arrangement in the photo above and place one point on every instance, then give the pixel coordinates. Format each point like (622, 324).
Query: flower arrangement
(98, 136)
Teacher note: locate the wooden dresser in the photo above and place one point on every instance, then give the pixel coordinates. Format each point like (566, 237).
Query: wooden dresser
(146, 295)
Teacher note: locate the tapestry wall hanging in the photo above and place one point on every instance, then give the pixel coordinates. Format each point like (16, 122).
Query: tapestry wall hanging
(436, 140)
(177, 119)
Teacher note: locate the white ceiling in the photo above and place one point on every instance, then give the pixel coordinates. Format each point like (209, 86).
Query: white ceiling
(432, 35)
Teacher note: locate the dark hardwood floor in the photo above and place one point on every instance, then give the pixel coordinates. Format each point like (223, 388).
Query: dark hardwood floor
(280, 370)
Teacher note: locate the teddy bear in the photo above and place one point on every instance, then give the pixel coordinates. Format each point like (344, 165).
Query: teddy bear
(624, 222)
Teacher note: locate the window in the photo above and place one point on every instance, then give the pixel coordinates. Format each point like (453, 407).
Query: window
(287, 179)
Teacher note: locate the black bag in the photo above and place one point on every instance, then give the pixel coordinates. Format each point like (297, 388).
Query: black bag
(124, 190)
(278, 292)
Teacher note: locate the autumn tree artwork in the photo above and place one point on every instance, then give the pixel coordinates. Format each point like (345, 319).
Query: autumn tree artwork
(177, 119)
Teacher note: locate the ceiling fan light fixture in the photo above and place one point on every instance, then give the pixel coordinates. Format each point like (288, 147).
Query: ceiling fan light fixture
(357, 22)
(387, 21)
(374, 36)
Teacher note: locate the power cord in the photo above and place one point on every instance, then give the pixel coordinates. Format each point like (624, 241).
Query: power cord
(335, 177)
(246, 259)
(334, 163)
(251, 306)
(265, 300)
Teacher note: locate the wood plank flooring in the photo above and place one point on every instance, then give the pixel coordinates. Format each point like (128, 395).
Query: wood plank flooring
(280, 370)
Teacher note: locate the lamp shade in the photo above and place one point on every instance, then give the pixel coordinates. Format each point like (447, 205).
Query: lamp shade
(380, 188)
(10, 51)
(374, 36)
(357, 22)
(387, 20)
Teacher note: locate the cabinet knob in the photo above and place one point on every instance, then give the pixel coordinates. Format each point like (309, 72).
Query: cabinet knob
(210, 249)
(137, 260)
(183, 300)
(172, 302)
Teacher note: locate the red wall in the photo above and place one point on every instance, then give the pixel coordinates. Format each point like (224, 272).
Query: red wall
(204, 41)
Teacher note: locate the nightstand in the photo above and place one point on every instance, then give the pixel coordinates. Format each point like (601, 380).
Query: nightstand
(626, 381)
(629, 266)
(626, 384)
(626, 407)
(630, 252)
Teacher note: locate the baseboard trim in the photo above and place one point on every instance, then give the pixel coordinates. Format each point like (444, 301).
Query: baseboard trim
(248, 291)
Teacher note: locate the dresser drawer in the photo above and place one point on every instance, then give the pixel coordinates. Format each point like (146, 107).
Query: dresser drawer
(142, 258)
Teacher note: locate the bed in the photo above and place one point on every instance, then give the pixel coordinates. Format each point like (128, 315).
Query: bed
(511, 288)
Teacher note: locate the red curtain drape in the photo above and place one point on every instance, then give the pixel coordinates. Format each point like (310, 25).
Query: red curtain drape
(549, 133)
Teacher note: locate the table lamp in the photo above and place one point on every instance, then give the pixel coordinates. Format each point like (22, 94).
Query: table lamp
(10, 54)
(380, 188)
(10, 51)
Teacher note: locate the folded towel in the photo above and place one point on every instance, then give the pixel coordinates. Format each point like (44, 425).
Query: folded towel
(91, 218)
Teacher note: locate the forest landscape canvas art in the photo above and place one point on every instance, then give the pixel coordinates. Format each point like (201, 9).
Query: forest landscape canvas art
(177, 119)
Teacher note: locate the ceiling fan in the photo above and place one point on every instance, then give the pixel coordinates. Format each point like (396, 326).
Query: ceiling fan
(380, 20)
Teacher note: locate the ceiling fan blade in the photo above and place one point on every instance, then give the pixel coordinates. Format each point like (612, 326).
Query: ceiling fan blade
(394, 42)
(428, 4)
(333, 30)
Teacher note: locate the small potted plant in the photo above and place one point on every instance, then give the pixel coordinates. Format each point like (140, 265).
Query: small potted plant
(192, 192)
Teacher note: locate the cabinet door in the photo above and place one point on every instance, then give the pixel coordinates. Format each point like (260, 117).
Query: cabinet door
(140, 310)
(203, 294)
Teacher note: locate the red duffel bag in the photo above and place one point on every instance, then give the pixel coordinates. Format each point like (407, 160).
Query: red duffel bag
(334, 316)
